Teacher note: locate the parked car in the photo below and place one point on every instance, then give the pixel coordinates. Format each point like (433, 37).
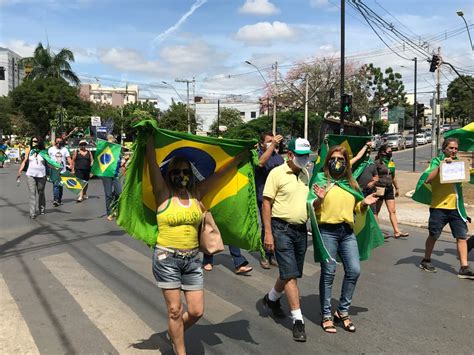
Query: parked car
(421, 139)
(446, 127)
(409, 141)
(396, 141)
(429, 138)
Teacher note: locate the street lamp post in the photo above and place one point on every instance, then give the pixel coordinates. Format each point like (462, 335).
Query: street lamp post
(461, 15)
(187, 100)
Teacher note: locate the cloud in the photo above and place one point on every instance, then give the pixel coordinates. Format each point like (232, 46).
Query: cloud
(320, 3)
(20, 47)
(183, 18)
(263, 33)
(259, 7)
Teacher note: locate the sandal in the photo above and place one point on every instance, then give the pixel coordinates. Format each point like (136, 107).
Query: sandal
(244, 269)
(350, 327)
(331, 329)
(401, 235)
(207, 267)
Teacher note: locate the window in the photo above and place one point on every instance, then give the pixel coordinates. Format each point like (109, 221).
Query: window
(96, 97)
(2, 73)
(253, 114)
(242, 114)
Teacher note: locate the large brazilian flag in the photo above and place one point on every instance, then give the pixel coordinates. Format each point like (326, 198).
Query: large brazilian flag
(232, 200)
(366, 229)
(106, 159)
(465, 135)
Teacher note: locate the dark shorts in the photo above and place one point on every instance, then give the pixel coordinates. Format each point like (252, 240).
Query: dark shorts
(389, 194)
(176, 272)
(291, 242)
(83, 174)
(439, 217)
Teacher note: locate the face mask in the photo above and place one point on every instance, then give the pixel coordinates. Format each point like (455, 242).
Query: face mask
(180, 181)
(336, 167)
(301, 161)
(388, 155)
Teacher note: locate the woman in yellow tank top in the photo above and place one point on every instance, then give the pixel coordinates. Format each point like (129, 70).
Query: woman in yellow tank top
(176, 263)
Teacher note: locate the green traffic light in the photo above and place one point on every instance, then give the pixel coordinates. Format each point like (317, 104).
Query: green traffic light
(346, 108)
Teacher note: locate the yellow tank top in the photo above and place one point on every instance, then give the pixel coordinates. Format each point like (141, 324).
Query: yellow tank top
(178, 225)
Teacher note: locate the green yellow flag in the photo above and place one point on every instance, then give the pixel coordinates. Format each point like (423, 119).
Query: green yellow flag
(465, 135)
(68, 180)
(106, 159)
(366, 229)
(232, 200)
(3, 155)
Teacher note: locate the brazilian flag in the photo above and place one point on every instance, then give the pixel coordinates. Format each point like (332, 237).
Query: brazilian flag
(3, 155)
(465, 135)
(68, 180)
(232, 200)
(106, 159)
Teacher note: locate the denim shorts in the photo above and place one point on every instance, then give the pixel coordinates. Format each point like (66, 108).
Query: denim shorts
(439, 217)
(177, 272)
(291, 242)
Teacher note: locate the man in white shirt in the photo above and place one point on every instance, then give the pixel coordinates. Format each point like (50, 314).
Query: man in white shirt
(60, 154)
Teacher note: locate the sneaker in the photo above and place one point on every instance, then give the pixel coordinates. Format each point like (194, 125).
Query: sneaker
(79, 199)
(427, 266)
(264, 264)
(275, 306)
(465, 272)
(55, 203)
(299, 333)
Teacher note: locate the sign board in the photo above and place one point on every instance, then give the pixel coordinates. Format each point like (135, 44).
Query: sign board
(384, 113)
(95, 121)
(14, 153)
(456, 171)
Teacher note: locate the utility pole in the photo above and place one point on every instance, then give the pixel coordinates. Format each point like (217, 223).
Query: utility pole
(415, 115)
(343, 20)
(438, 101)
(306, 108)
(274, 101)
(194, 100)
(218, 115)
(187, 100)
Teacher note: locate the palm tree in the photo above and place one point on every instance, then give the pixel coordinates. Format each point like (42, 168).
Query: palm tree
(46, 64)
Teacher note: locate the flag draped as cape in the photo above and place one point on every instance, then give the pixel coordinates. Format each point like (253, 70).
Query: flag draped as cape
(366, 229)
(232, 200)
(423, 191)
(465, 135)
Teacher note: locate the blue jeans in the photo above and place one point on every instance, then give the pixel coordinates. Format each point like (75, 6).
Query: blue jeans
(57, 192)
(238, 259)
(339, 240)
(112, 189)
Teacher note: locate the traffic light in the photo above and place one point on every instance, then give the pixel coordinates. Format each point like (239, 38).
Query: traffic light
(435, 63)
(346, 103)
(420, 110)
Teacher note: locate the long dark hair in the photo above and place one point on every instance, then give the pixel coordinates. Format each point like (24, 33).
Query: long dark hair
(39, 145)
(173, 163)
(382, 150)
(348, 173)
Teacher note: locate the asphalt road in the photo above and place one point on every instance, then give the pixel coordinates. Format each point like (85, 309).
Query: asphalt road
(72, 282)
(404, 158)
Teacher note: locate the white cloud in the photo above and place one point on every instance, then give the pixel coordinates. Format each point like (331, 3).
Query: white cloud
(20, 47)
(263, 33)
(259, 7)
(320, 3)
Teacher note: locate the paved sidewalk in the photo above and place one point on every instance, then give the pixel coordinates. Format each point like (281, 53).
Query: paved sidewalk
(410, 212)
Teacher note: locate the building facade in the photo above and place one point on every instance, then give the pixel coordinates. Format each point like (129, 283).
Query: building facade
(11, 72)
(109, 95)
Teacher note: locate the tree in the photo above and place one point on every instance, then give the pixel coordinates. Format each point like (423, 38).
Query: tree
(461, 99)
(229, 117)
(6, 113)
(176, 118)
(46, 64)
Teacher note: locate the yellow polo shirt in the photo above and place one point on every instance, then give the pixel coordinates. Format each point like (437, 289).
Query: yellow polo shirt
(288, 193)
(443, 195)
(337, 207)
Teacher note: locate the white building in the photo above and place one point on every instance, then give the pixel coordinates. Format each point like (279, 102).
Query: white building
(11, 73)
(153, 101)
(109, 95)
(206, 109)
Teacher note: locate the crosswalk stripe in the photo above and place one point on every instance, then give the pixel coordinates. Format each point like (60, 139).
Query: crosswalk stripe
(15, 336)
(217, 309)
(114, 318)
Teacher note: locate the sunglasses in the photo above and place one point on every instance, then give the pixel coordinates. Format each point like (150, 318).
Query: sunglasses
(176, 172)
(34, 141)
(338, 159)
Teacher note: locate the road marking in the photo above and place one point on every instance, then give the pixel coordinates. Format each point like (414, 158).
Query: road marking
(15, 336)
(217, 309)
(119, 324)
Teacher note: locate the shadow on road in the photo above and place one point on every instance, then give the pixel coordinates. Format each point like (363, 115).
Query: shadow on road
(415, 260)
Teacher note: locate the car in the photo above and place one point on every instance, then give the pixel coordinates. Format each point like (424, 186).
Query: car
(421, 139)
(395, 141)
(429, 138)
(446, 127)
(409, 141)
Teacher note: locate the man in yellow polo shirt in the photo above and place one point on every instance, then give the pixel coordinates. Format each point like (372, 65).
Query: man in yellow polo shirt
(444, 209)
(284, 217)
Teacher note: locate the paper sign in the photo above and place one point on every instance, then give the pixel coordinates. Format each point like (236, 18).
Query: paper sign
(14, 153)
(456, 171)
(95, 121)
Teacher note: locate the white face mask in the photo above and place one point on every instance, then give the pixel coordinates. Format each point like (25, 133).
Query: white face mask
(301, 161)
(268, 145)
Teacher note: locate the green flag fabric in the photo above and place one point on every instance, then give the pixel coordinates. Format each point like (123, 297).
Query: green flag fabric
(366, 229)
(423, 192)
(106, 159)
(3, 155)
(232, 200)
(465, 135)
(50, 162)
(68, 180)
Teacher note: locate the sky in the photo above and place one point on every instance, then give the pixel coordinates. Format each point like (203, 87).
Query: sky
(150, 41)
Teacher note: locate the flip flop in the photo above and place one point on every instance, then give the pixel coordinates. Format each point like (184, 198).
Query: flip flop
(401, 235)
(207, 267)
(244, 269)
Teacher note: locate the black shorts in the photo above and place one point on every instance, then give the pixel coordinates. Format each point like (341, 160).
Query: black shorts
(83, 174)
(439, 217)
(388, 195)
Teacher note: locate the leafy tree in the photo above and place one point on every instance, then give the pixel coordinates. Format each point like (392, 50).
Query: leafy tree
(461, 99)
(176, 118)
(229, 117)
(46, 64)
(6, 113)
